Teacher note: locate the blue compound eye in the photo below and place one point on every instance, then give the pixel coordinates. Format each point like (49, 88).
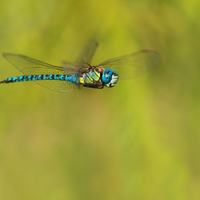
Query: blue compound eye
(109, 77)
(106, 77)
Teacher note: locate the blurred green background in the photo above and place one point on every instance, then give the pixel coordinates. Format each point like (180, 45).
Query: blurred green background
(139, 140)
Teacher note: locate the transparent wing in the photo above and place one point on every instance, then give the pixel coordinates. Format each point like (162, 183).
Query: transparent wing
(30, 66)
(74, 68)
(133, 65)
(86, 54)
(56, 85)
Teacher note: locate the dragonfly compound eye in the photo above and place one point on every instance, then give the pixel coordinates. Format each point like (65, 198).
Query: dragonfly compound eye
(109, 77)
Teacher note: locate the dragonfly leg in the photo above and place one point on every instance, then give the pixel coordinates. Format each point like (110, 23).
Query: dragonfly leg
(94, 86)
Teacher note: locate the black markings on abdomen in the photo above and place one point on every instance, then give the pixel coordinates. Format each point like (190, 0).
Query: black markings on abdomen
(35, 78)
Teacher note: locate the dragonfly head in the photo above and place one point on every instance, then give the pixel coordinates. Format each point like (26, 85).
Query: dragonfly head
(109, 77)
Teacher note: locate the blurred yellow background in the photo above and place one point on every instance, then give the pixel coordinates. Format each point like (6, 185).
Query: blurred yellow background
(139, 140)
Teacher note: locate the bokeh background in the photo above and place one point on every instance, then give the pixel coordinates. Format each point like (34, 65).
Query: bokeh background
(139, 140)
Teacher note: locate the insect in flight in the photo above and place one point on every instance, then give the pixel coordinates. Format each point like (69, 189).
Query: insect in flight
(67, 77)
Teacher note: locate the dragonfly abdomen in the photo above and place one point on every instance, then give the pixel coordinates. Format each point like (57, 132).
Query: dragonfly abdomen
(72, 78)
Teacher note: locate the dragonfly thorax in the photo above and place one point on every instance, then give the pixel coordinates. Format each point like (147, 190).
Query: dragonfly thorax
(109, 77)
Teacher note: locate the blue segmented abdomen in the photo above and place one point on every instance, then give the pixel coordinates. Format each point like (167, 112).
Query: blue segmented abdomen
(72, 78)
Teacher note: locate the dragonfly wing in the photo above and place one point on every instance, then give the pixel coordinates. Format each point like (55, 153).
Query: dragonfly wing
(84, 59)
(86, 54)
(74, 68)
(31, 66)
(133, 65)
(57, 85)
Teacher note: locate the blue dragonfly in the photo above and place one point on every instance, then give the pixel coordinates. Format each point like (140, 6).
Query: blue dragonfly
(69, 76)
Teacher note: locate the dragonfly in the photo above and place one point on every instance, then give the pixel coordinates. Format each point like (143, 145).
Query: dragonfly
(81, 73)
